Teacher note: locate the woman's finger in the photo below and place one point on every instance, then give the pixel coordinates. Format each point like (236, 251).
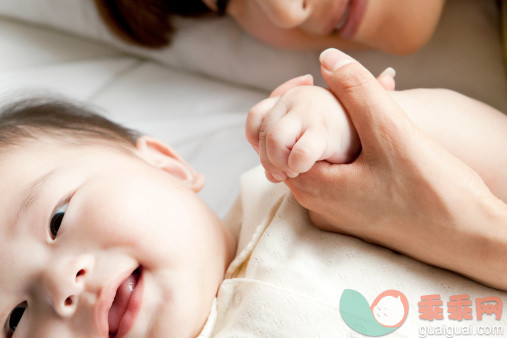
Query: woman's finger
(371, 109)
(305, 80)
(386, 78)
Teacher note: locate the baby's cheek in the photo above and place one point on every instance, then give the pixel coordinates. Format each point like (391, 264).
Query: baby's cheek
(112, 214)
(154, 222)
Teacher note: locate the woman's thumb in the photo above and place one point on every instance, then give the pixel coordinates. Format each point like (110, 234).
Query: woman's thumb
(368, 104)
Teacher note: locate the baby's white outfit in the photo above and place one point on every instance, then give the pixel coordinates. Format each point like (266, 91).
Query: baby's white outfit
(288, 276)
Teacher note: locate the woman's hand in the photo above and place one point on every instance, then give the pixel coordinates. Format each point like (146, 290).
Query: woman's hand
(403, 191)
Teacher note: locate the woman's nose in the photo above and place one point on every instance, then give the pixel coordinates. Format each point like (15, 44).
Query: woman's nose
(286, 13)
(64, 281)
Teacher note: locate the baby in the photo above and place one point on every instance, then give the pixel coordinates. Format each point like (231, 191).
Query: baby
(103, 233)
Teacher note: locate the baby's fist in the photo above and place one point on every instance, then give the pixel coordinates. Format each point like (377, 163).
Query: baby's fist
(292, 132)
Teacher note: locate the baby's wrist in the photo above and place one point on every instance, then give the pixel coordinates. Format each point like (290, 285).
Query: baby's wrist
(349, 145)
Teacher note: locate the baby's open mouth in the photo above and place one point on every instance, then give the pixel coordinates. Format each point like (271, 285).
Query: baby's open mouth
(126, 304)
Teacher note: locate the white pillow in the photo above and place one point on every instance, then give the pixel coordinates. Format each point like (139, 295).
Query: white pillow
(465, 53)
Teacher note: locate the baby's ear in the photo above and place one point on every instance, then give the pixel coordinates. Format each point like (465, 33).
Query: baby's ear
(163, 156)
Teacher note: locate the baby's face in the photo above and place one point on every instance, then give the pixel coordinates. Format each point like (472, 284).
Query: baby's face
(82, 225)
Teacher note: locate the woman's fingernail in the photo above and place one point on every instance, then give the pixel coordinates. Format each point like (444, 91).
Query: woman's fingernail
(390, 71)
(332, 59)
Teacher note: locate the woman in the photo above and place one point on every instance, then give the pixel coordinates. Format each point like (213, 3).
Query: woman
(394, 26)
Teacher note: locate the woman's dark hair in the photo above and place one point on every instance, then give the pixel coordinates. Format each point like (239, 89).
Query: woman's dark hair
(34, 117)
(147, 22)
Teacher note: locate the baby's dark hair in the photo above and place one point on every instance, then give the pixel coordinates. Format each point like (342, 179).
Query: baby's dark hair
(147, 23)
(31, 118)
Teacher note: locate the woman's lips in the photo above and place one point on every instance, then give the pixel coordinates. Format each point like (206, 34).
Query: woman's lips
(351, 18)
(338, 14)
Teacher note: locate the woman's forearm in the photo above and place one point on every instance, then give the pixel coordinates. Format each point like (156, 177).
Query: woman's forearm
(492, 270)
(475, 245)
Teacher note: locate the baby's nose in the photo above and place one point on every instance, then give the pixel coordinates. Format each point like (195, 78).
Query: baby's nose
(64, 281)
(286, 13)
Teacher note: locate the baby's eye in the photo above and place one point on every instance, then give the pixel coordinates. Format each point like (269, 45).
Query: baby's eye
(56, 220)
(14, 318)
